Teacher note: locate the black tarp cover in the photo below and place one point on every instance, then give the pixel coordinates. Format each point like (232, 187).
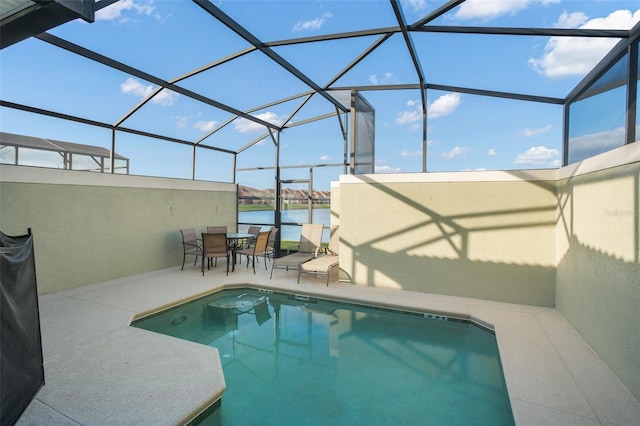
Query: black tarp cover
(22, 371)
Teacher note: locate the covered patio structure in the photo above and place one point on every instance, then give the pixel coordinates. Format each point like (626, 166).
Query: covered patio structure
(546, 252)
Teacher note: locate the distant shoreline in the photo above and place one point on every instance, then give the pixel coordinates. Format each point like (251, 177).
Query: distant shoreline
(267, 207)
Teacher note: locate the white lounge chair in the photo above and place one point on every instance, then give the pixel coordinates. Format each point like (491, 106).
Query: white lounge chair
(323, 265)
(310, 242)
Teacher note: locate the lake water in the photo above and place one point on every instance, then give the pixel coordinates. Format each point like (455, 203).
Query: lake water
(288, 232)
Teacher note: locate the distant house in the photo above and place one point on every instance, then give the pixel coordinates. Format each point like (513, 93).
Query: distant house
(248, 195)
(22, 150)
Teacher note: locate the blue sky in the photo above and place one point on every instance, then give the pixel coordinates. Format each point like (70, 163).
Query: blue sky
(170, 38)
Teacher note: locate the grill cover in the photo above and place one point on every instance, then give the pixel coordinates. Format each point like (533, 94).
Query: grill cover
(22, 369)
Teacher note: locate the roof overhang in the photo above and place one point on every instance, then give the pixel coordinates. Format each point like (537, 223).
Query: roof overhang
(21, 19)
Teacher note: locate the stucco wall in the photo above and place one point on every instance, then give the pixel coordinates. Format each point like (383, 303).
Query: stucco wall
(567, 237)
(485, 235)
(91, 227)
(598, 273)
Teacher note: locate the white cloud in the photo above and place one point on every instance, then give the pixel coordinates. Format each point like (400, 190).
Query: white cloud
(165, 98)
(115, 10)
(407, 153)
(444, 105)
(182, 121)
(205, 126)
(571, 20)
(490, 9)
(458, 151)
(131, 86)
(538, 156)
(536, 132)
(416, 5)
(134, 87)
(387, 169)
(312, 24)
(326, 158)
(594, 143)
(407, 117)
(243, 125)
(621, 19)
(373, 79)
(492, 152)
(575, 56)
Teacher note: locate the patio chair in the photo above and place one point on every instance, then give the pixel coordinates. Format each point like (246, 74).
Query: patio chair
(271, 244)
(249, 242)
(255, 230)
(217, 229)
(257, 250)
(323, 265)
(214, 246)
(310, 242)
(190, 245)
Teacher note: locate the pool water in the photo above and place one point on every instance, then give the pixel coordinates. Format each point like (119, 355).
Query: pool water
(295, 360)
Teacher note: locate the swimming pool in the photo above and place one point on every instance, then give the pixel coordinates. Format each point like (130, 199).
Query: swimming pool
(295, 359)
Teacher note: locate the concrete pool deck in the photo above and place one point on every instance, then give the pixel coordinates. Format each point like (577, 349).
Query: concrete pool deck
(100, 371)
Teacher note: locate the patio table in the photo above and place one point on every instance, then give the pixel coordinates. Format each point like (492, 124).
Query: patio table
(233, 238)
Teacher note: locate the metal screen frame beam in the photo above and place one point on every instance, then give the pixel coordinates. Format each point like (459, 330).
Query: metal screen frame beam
(397, 9)
(253, 40)
(523, 31)
(436, 13)
(109, 62)
(89, 122)
(459, 89)
(183, 77)
(603, 66)
(335, 36)
(41, 16)
(632, 93)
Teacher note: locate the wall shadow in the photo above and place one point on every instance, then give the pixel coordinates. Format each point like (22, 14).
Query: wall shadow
(442, 253)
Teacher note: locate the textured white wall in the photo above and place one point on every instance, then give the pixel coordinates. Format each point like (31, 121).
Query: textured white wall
(598, 273)
(91, 227)
(567, 238)
(486, 236)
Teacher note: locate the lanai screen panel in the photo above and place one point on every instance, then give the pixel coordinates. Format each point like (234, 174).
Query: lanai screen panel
(597, 117)
(364, 135)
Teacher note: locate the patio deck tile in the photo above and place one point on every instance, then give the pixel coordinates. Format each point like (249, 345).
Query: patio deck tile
(101, 371)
